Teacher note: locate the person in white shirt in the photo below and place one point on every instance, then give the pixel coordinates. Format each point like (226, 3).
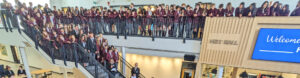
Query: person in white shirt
(133, 76)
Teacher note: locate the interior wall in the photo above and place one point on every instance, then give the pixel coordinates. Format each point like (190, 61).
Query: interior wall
(239, 55)
(37, 60)
(162, 44)
(156, 67)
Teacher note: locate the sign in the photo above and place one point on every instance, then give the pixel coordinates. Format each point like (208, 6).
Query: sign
(3, 50)
(278, 45)
(224, 42)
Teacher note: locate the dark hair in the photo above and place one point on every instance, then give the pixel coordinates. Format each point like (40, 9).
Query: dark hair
(253, 5)
(242, 3)
(265, 3)
(112, 46)
(109, 48)
(221, 5)
(287, 7)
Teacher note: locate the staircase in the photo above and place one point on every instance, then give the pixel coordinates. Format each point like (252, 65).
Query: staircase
(94, 68)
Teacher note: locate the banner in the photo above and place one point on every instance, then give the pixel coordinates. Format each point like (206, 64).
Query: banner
(278, 45)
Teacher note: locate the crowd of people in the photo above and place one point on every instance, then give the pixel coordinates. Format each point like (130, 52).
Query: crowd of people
(9, 73)
(58, 29)
(159, 21)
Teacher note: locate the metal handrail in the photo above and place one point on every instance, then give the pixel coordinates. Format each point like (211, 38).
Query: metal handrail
(97, 63)
(129, 65)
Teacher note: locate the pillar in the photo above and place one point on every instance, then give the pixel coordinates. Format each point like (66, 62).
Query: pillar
(234, 72)
(124, 57)
(220, 72)
(25, 62)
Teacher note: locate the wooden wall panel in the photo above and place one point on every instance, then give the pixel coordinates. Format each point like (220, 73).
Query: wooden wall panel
(246, 28)
(224, 27)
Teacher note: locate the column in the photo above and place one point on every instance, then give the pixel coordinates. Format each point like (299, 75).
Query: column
(234, 72)
(220, 72)
(124, 57)
(24, 59)
(198, 70)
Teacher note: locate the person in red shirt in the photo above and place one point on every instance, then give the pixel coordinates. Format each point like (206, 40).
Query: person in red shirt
(168, 21)
(129, 22)
(220, 11)
(284, 11)
(296, 11)
(135, 22)
(229, 10)
(149, 21)
(176, 21)
(116, 57)
(182, 22)
(104, 54)
(109, 56)
(212, 11)
(188, 25)
(121, 22)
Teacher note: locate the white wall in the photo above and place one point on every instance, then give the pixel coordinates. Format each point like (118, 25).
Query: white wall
(162, 44)
(89, 3)
(154, 66)
(73, 3)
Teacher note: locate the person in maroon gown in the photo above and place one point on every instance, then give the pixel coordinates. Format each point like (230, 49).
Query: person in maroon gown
(296, 12)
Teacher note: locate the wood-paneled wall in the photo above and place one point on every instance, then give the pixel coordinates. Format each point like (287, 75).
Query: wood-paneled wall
(243, 32)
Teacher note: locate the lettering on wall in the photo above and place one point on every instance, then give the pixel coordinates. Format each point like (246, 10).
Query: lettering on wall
(225, 42)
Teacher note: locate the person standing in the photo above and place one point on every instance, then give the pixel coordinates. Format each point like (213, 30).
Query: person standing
(135, 70)
(116, 57)
(21, 71)
(220, 11)
(129, 22)
(109, 57)
(285, 11)
(229, 10)
(239, 10)
(264, 10)
(274, 9)
(148, 17)
(188, 25)
(91, 46)
(296, 12)
(212, 11)
(6, 15)
(176, 21)
(9, 73)
(250, 11)
(135, 22)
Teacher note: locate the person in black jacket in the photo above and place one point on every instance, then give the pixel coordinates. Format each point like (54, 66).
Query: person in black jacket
(135, 70)
(1, 71)
(91, 46)
(21, 71)
(239, 10)
(250, 11)
(9, 73)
